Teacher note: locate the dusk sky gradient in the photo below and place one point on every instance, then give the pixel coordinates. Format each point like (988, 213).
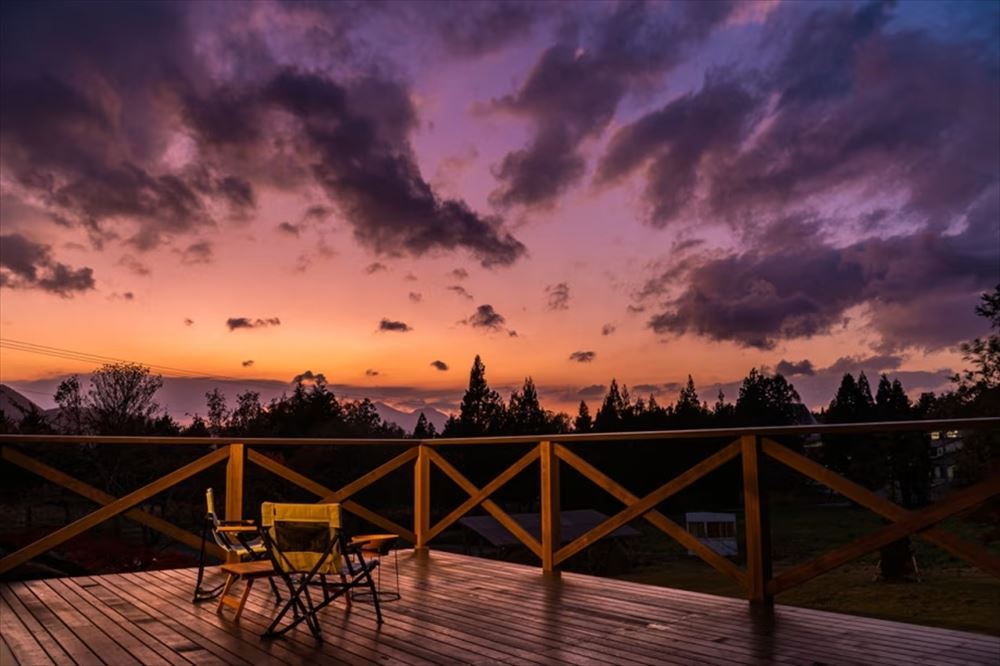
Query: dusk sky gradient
(379, 191)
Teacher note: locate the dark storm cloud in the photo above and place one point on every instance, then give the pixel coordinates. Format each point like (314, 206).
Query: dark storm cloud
(396, 326)
(359, 137)
(475, 29)
(25, 264)
(583, 356)
(574, 88)
(558, 296)
(855, 364)
(592, 391)
(309, 376)
(459, 274)
(289, 228)
(793, 368)
(673, 142)
(134, 265)
(759, 297)
(234, 323)
(460, 290)
(440, 365)
(486, 317)
(848, 105)
(197, 253)
(68, 70)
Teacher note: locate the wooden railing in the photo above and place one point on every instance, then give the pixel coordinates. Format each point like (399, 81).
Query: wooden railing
(751, 445)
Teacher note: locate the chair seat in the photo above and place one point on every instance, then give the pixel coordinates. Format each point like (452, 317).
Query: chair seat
(253, 569)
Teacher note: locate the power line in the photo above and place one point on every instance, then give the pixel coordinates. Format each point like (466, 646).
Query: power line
(87, 357)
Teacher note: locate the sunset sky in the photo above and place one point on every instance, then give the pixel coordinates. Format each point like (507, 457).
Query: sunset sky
(379, 191)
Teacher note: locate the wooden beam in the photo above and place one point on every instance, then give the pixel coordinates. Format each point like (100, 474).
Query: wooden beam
(100, 497)
(550, 523)
(637, 509)
(422, 498)
(492, 507)
(487, 490)
(971, 552)
(327, 495)
(112, 509)
(917, 521)
(669, 527)
(756, 524)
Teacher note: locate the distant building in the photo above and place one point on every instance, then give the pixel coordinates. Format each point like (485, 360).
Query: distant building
(944, 451)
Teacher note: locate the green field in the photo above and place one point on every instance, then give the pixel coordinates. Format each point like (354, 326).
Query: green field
(950, 593)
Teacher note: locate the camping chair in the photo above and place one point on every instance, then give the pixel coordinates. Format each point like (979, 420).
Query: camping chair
(305, 542)
(240, 538)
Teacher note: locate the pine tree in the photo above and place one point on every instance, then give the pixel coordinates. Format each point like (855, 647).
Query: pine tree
(482, 411)
(583, 422)
(611, 416)
(424, 429)
(525, 415)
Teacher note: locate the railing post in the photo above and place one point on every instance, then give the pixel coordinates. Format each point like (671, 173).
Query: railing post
(757, 525)
(234, 488)
(551, 532)
(422, 498)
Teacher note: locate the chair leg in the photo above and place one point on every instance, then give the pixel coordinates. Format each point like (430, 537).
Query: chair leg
(347, 597)
(243, 600)
(225, 590)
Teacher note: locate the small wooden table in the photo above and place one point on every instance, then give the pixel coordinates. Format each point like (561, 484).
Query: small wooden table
(247, 571)
(377, 546)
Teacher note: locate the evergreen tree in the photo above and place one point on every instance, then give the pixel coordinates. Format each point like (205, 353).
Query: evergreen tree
(689, 412)
(767, 400)
(482, 410)
(611, 416)
(583, 422)
(218, 412)
(424, 429)
(525, 415)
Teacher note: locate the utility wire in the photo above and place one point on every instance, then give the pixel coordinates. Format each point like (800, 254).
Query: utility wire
(86, 357)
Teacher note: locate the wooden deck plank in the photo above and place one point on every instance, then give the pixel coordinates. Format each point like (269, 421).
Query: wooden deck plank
(356, 645)
(259, 611)
(7, 655)
(191, 640)
(17, 638)
(458, 610)
(51, 625)
(104, 647)
(143, 648)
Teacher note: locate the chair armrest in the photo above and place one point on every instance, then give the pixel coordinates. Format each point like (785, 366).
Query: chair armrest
(238, 522)
(237, 528)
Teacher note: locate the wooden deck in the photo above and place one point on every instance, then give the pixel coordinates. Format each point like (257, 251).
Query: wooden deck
(454, 609)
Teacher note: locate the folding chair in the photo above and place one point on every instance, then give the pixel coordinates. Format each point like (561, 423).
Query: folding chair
(240, 538)
(305, 542)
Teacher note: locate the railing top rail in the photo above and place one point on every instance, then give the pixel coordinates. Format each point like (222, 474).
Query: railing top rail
(984, 423)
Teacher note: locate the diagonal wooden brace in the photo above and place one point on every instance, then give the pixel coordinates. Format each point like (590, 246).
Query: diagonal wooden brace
(328, 495)
(492, 507)
(915, 522)
(487, 490)
(648, 502)
(672, 529)
(112, 509)
(971, 552)
(100, 497)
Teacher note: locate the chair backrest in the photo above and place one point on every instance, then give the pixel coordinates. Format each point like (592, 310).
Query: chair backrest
(210, 507)
(225, 542)
(303, 537)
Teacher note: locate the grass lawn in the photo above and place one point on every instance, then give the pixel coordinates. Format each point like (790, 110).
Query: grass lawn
(951, 594)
